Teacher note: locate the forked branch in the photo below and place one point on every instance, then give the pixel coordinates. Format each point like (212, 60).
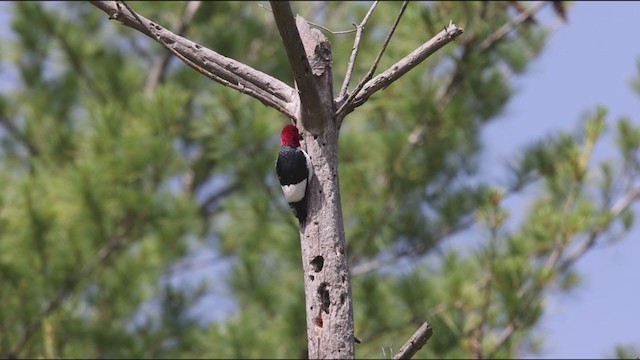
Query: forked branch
(354, 52)
(401, 67)
(374, 66)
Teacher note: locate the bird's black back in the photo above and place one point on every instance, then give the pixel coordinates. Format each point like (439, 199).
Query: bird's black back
(291, 166)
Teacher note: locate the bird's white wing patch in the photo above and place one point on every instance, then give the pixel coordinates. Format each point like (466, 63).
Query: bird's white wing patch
(295, 192)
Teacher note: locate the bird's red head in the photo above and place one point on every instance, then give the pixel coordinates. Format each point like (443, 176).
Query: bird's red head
(290, 136)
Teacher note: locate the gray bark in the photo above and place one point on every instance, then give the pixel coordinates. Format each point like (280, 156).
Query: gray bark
(310, 59)
(327, 281)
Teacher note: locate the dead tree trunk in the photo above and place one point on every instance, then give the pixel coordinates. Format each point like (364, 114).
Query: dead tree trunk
(327, 281)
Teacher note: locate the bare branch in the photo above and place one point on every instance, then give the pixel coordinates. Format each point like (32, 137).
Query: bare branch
(428, 314)
(341, 111)
(506, 28)
(415, 343)
(160, 67)
(229, 72)
(407, 63)
(354, 52)
(332, 32)
(312, 115)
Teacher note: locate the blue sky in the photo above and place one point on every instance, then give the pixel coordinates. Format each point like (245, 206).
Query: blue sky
(588, 61)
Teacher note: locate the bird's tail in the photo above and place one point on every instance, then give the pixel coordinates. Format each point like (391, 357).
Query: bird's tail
(300, 210)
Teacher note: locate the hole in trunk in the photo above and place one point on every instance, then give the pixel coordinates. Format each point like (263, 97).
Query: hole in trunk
(323, 295)
(317, 263)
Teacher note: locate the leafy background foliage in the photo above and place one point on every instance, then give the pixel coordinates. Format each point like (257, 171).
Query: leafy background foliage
(111, 194)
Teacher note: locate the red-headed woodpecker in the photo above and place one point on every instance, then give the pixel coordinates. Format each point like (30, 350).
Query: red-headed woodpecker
(294, 171)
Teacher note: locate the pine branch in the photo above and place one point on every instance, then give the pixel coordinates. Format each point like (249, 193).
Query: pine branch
(11, 128)
(621, 205)
(377, 263)
(395, 71)
(75, 58)
(453, 86)
(415, 343)
(161, 65)
(508, 27)
(54, 303)
(229, 72)
(312, 115)
(214, 198)
(534, 289)
(509, 330)
(354, 52)
(478, 333)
